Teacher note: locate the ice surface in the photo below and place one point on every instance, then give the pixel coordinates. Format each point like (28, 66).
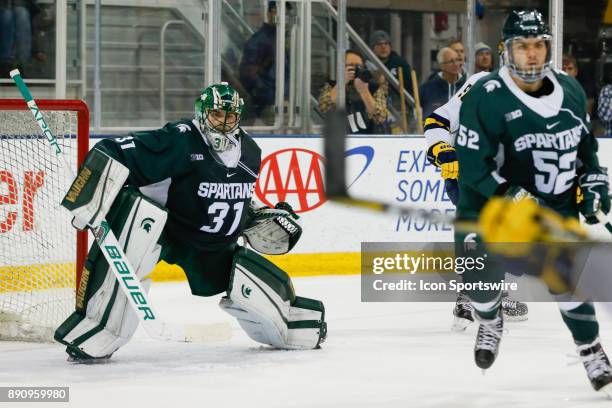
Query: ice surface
(377, 355)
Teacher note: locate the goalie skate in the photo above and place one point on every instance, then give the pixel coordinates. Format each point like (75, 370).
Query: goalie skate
(76, 356)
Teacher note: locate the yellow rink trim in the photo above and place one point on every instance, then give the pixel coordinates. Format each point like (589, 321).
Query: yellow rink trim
(52, 276)
(36, 277)
(48, 276)
(336, 263)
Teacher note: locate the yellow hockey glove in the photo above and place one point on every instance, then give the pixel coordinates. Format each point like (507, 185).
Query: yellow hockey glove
(444, 156)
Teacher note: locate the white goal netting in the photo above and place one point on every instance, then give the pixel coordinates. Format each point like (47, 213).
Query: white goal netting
(37, 242)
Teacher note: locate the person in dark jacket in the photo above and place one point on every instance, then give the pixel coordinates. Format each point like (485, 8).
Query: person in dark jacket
(16, 33)
(258, 66)
(439, 89)
(381, 45)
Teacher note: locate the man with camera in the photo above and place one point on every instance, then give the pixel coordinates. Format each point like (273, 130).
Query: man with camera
(366, 96)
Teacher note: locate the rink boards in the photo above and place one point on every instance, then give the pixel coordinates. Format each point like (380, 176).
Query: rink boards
(391, 169)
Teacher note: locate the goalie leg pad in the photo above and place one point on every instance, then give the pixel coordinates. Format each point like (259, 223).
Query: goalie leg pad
(95, 188)
(103, 320)
(262, 298)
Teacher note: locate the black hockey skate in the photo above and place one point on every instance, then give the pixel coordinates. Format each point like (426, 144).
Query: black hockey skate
(597, 366)
(487, 341)
(513, 310)
(462, 313)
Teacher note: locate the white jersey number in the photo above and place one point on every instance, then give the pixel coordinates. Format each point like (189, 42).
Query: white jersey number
(468, 138)
(220, 210)
(551, 179)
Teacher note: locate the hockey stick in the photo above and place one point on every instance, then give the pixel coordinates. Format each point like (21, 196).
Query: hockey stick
(119, 263)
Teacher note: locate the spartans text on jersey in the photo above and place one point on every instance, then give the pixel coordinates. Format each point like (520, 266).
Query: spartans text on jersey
(226, 191)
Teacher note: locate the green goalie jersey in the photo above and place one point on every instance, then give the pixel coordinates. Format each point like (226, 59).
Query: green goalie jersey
(509, 138)
(207, 202)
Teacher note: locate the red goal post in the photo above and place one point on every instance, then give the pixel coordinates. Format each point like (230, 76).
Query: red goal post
(28, 167)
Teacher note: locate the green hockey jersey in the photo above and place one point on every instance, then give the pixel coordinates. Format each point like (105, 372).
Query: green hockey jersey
(207, 202)
(508, 137)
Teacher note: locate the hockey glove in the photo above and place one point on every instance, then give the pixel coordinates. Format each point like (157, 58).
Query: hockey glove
(518, 193)
(593, 194)
(272, 231)
(444, 156)
(508, 220)
(505, 221)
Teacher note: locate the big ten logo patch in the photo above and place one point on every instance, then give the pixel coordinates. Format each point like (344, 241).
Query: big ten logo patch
(15, 190)
(294, 176)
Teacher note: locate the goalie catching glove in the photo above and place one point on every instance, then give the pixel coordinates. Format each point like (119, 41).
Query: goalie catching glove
(272, 231)
(94, 190)
(593, 194)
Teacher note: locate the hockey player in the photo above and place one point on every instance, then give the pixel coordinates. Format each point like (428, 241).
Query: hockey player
(440, 131)
(183, 194)
(524, 132)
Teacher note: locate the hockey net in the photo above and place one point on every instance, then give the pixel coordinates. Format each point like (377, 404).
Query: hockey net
(40, 252)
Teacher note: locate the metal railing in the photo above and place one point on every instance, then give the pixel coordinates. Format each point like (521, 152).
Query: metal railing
(162, 67)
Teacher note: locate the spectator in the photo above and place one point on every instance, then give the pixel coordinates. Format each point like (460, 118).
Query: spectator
(483, 60)
(43, 41)
(604, 109)
(16, 37)
(570, 67)
(258, 66)
(457, 46)
(366, 98)
(439, 89)
(381, 45)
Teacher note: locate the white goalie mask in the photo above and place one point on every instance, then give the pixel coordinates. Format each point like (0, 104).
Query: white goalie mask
(218, 111)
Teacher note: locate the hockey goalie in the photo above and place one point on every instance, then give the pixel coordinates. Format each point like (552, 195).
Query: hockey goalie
(184, 194)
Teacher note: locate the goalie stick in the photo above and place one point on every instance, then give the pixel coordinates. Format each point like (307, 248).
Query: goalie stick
(120, 264)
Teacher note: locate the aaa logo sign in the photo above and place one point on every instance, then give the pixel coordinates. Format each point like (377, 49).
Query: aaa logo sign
(294, 176)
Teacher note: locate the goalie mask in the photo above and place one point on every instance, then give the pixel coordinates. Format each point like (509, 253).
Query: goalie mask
(527, 41)
(218, 111)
